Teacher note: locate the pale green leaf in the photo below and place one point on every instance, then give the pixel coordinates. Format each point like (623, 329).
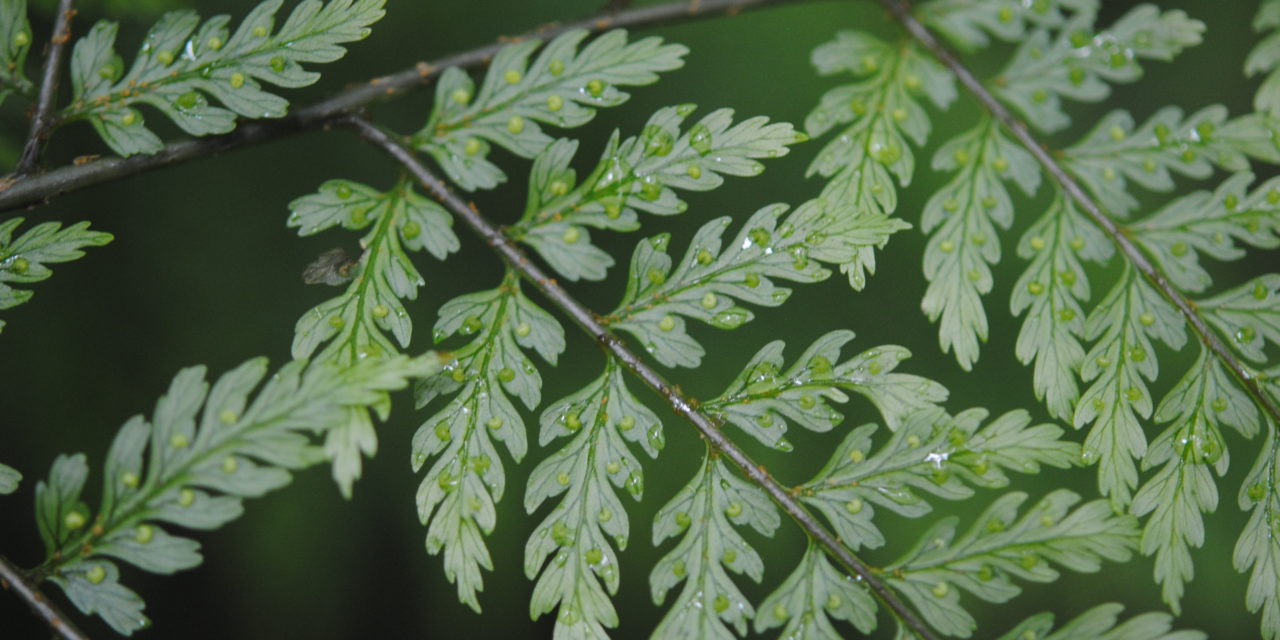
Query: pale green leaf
(962, 220)
(23, 260)
(967, 23)
(1197, 408)
(1051, 292)
(815, 592)
(1003, 545)
(1265, 58)
(1099, 623)
(714, 275)
(1081, 60)
(562, 87)
(1122, 360)
(704, 515)
(9, 479)
(94, 588)
(183, 63)
(456, 499)
(202, 453)
(1248, 316)
(641, 173)
(355, 323)
(931, 454)
(15, 43)
(764, 397)
(1212, 224)
(1114, 154)
(882, 111)
(570, 553)
(1258, 548)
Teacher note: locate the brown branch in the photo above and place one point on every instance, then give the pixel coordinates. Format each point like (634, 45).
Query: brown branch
(587, 321)
(37, 189)
(1058, 174)
(12, 578)
(42, 121)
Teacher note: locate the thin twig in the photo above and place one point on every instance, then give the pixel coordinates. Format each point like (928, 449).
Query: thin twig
(1073, 189)
(42, 121)
(12, 578)
(587, 321)
(40, 188)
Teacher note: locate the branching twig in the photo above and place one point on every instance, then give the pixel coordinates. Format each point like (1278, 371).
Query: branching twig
(42, 120)
(587, 321)
(40, 188)
(1073, 189)
(12, 578)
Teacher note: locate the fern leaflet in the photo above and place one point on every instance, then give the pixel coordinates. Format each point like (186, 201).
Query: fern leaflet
(1080, 61)
(353, 324)
(562, 87)
(182, 63)
(639, 173)
(457, 496)
(201, 465)
(15, 44)
(569, 553)
(1000, 546)
(23, 260)
(704, 514)
(884, 110)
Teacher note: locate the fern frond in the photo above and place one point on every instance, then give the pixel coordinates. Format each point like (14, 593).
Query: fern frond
(883, 110)
(1052, 292)
(704, 514)
(1211, 223)
(457, 496)
(931, 453)
(15, 43)
(1001, 546)
(1114, 153)
(1265, 58)
(569, 553)
(1247, 316)
(1099, 623)
(1119, 364)
(23, 260)
(811, 596)
(969, 23)
(9, 479)
(714, 275)
(200, 466)
(640, 173)
(182, 63)
(1258, 548)
(1080, 61)
(354, 324)
(763, 396)
(1205, 400)
(562, 87)
(962, 220)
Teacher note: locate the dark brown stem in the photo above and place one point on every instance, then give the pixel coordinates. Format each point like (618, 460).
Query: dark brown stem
(587, 321)
(42, 121)
(13, 579)
(1073, 190)
(36, 189)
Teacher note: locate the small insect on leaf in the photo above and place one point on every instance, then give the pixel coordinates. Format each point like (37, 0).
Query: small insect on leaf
(333, 267)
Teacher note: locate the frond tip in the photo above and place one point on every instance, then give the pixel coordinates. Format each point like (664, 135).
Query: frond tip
(182, 63)
(23, 260)
(204, 451)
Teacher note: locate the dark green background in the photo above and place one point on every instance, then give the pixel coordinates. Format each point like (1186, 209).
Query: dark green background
(203, 270)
